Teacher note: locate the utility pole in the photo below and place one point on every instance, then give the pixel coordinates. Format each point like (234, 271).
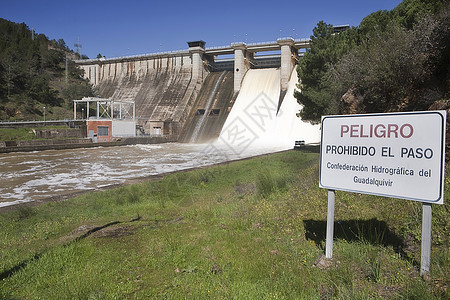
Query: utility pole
(78, 46)
(67, 70)
(9, 80)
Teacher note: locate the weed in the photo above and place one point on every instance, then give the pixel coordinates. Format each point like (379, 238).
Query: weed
(268, 183)
(25, 212)
(372, 232)
(218, 198)
(374, 265)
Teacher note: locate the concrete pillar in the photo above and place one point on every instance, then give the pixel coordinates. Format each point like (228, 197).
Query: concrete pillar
(91, 74)
(97, 74)
(241, 63)
(288, 54)
(87, 109)
(197, 49)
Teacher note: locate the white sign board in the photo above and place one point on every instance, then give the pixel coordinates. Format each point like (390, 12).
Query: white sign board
(400, 155)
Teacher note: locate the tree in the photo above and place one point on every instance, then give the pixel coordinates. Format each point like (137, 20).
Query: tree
(14, 78)
(41, 91)
(77, 91)
(381, 69)
(316, 93)
(409, 12)
(375, 22)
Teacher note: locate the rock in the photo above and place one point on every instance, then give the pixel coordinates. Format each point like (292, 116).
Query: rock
(352, 102)
(215, 269)
(323, 263)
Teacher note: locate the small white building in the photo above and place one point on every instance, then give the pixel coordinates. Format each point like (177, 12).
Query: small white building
(106, 119)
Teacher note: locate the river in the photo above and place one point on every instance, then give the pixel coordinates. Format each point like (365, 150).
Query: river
(33, 176)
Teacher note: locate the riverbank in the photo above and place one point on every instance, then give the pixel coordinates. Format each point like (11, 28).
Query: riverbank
(248, 229)
(60, 135)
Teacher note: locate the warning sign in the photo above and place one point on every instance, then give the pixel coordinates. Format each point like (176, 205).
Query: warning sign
(399, 155)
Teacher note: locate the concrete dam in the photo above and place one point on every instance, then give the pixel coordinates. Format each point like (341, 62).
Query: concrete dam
(196, 95)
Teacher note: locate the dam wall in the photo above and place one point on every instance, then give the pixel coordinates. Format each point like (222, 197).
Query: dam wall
(163, 88)
(167, 87)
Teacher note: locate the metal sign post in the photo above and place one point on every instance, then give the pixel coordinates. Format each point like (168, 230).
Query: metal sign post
(426, 239)
(330, 224)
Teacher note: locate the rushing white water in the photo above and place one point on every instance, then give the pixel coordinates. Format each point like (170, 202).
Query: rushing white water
(252, 128)
(256, 122)
(289, 128)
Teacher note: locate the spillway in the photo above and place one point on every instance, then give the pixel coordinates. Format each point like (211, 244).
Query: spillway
(256, 121)
(165, 86)
(207, 109)
(210, 109)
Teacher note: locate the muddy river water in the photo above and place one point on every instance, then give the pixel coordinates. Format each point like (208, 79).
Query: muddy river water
(32, 176)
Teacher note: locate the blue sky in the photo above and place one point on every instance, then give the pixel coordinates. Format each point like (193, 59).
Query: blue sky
(118, 28)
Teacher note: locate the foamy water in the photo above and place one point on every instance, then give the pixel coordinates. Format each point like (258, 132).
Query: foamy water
(38, 175)
(253, 127)
(288, 128)
(255, 120)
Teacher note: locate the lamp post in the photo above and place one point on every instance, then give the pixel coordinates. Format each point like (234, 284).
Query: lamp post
(82, 114)
(44, 115)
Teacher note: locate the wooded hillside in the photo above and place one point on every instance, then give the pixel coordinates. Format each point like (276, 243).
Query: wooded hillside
(393, 61)
(33, 75)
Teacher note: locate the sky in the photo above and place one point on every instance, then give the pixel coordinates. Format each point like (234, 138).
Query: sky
(130, 27)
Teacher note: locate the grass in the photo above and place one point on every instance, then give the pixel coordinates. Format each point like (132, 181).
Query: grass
(22, 134)
(16, 134)
(253, 229)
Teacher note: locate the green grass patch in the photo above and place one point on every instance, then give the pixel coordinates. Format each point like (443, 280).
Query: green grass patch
(16, 134)
(252, 229)
(22, 134)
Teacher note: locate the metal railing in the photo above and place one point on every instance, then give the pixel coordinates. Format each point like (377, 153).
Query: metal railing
(35, 121)
(102, 59)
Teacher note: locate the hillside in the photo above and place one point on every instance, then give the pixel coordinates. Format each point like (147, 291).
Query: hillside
(33, 75)
(394, 60)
